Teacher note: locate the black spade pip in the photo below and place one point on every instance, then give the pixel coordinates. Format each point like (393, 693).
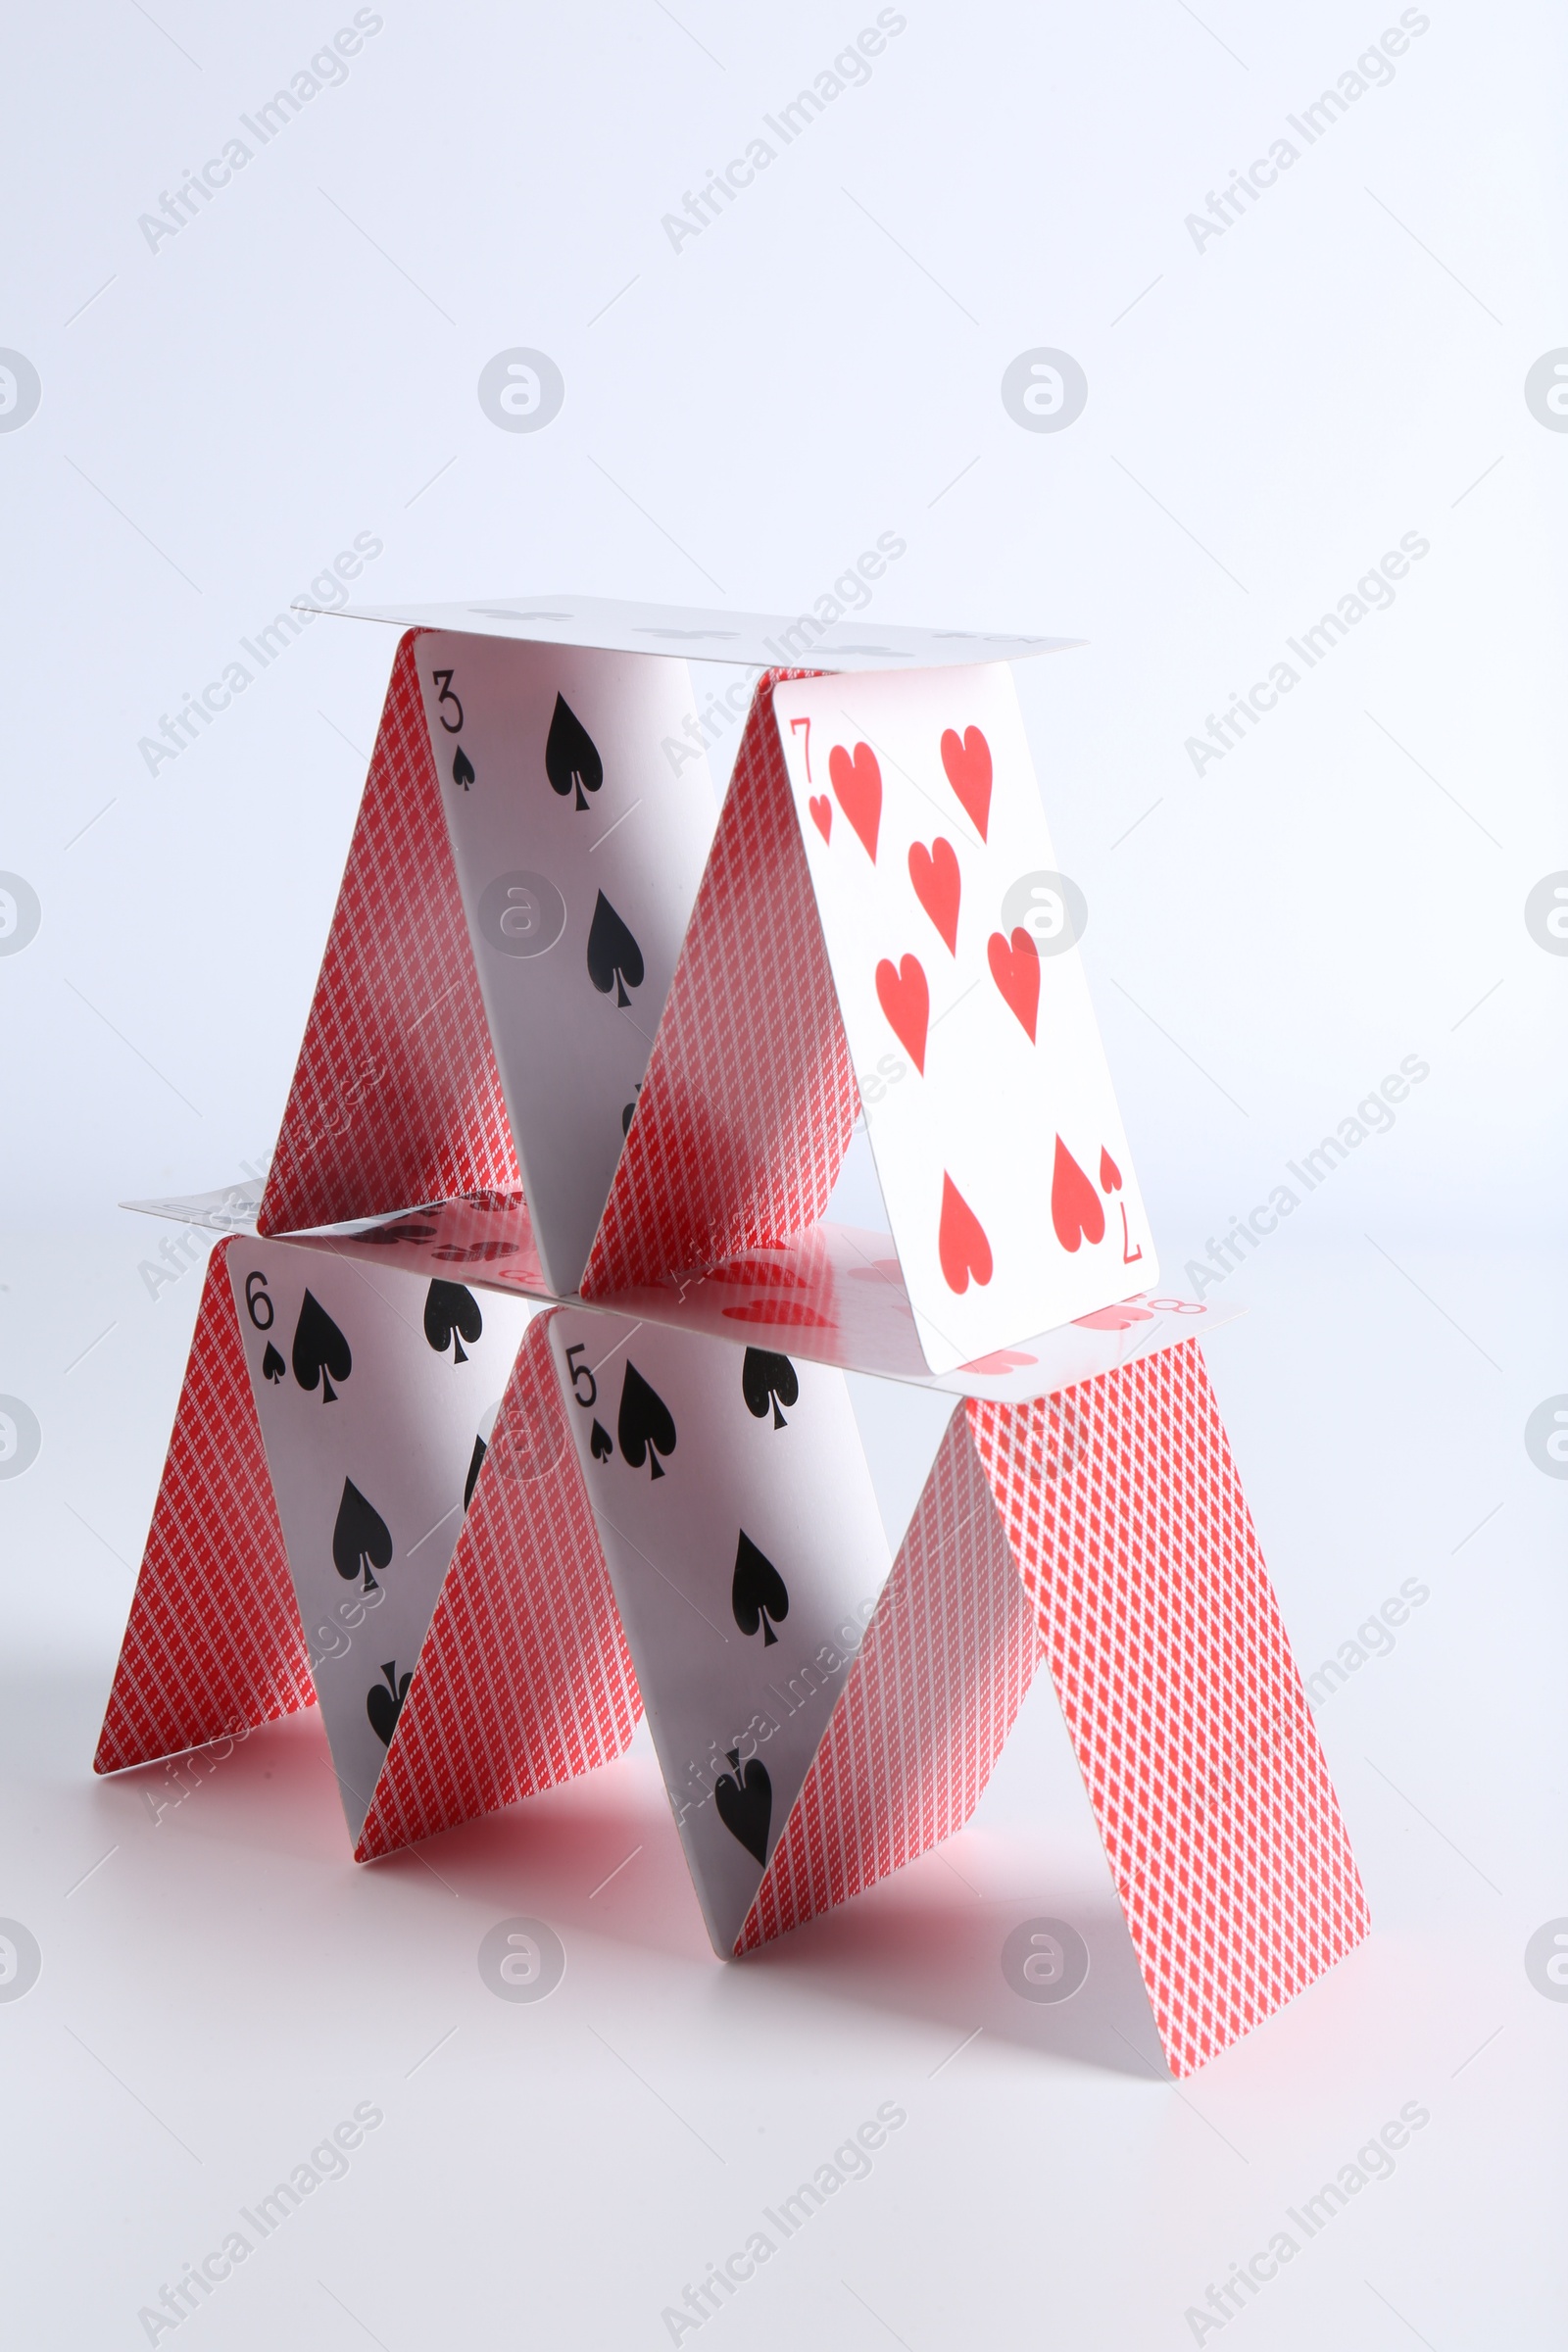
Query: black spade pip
(451, 1316)
(385, 1707)
(744, 1797)
(614, 959)
(320, 1349)
(645, 1425)
(361, 1537)
(768, 1380)
(572, 757)
(475, 1465)
(758, 1591)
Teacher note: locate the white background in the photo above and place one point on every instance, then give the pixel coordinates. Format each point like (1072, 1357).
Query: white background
(822, 363)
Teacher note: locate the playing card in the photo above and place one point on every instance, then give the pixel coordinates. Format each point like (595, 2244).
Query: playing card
(375, 1389)
(1003, 1166)
(746, 1549)
(479, 1541)
(944, 1668)
(749, 1101)
(580, 846)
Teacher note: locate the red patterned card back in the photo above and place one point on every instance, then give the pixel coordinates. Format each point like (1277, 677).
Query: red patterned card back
(396, 1096)
(746, 1112)
(214, 1644)
(941, 1672)
(1181, 1700)
(524, 1679)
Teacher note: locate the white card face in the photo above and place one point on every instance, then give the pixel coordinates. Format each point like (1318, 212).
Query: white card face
(578, 853)
(741, 1528)
(375, 1390)
(1008, 1184)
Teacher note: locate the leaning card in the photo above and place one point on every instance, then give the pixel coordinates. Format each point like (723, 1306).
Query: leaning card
(745, 1549)
(1003, 1165)
(375, 1389)
(580, 812)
